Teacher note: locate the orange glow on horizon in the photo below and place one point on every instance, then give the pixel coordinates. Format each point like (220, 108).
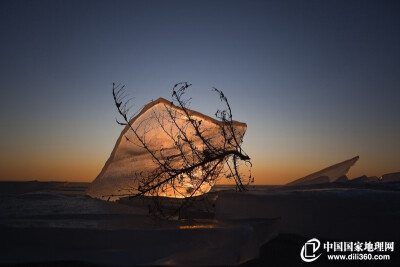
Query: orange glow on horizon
(86, 167)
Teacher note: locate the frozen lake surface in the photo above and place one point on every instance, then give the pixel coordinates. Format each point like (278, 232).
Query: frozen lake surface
(42, 222)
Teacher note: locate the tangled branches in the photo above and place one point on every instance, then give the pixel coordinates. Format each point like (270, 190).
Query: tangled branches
(188, 150)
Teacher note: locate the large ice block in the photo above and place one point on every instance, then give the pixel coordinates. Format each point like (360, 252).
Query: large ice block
(129, 162)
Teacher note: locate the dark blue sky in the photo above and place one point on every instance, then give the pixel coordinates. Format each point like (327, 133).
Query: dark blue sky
(317, 82)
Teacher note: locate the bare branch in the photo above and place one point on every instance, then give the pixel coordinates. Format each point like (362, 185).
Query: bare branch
(197, 157)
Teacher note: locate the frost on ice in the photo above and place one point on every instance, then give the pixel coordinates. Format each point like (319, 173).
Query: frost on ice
(129, 163)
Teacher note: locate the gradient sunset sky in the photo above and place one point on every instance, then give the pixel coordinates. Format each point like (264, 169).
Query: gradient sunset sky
(317, 82)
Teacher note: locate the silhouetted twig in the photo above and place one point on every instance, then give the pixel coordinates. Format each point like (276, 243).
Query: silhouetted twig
(198, 158)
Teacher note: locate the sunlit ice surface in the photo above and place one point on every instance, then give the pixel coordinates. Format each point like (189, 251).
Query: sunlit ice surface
(129, 163)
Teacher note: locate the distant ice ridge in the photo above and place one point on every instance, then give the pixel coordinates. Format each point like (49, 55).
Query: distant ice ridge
(328, 175)
(129, 161)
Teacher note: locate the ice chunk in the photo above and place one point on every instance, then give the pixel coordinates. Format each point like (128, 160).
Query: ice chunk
(318, 180)
(342, 179)
(333, 172)
(391, 177)
(129, 161)
(364, 179)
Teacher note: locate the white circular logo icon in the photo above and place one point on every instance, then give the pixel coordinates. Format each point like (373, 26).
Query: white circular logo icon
(308, 251)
